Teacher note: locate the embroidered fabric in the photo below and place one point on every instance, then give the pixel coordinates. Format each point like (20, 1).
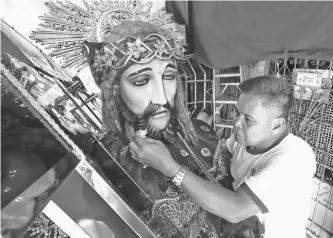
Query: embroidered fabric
(184, 214)
(172, 213)
(44, 227)
(221, 161)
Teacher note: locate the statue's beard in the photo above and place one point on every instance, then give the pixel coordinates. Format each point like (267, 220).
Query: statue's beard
(168, 134)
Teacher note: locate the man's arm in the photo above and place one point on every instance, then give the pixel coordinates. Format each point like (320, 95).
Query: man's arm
(258, 193)
(232, 206)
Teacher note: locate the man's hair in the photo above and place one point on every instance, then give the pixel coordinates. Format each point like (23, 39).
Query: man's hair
(274, 92)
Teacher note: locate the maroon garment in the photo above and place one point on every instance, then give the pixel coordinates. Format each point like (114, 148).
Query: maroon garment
(187, 216)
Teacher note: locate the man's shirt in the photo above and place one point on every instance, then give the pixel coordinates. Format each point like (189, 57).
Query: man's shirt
(279, 181)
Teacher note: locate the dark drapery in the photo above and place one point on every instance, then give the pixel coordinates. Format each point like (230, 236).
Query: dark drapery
(235, 33)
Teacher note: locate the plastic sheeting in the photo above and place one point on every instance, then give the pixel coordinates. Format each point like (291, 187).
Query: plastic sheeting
(235, 33)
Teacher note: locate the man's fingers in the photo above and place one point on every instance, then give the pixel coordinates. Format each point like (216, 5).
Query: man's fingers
(139, 141)
(136, 149)
(134, 154)
(132, 145)
(132, 151)
(137, 158)
(151, 141)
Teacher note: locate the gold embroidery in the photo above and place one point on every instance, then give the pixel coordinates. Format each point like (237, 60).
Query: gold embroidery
(43, 227)
(205, 152)
(181, 214)
(184, 153)
(221, 161)
(204, 128)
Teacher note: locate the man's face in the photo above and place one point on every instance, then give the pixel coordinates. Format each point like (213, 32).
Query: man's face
(153, 83)
(253, 123)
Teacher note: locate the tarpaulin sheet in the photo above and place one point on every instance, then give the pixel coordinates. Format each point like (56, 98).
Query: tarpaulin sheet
(235, 33)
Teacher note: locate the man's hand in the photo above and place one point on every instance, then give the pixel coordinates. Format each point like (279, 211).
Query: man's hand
(155, 154)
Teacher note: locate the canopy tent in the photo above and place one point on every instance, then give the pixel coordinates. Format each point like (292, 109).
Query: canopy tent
(233, 33)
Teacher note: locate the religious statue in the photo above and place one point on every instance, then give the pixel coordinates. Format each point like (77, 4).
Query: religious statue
(136, 67)
(134, 57)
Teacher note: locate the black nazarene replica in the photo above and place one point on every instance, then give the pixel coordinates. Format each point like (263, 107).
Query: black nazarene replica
(151, 55)
(134, 58)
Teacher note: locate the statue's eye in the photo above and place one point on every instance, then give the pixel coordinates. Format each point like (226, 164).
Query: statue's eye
(141, 81)
(169, 76)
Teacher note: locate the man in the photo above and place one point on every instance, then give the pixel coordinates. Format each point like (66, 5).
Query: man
(272, 169)
(136, 69)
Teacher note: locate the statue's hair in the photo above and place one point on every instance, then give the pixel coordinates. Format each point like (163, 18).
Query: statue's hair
(110, 84)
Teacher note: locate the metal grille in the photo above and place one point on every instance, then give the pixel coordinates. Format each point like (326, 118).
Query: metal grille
(319, 135)
(226, 94)
(197, 83)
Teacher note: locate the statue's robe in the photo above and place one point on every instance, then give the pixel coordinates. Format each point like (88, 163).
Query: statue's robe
(248, 228)
(183, 215)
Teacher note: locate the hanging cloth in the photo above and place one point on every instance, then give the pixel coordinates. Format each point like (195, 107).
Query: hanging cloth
(233, 33)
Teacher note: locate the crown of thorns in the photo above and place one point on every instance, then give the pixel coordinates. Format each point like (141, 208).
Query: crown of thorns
(137, 50)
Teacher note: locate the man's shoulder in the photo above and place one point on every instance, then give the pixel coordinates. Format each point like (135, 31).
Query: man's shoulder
(291, 152)
(293, 139)
(300, 151)
(295, 145)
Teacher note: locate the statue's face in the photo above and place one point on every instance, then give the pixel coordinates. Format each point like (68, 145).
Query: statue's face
(153, 83)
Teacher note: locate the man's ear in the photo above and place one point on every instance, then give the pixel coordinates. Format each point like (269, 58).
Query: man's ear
(278, 123)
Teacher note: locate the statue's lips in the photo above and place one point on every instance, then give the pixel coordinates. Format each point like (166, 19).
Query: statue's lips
(160, 113)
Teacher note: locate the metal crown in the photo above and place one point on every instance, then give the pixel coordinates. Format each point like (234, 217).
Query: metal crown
(68, 25)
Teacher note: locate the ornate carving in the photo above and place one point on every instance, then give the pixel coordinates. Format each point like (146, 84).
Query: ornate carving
(7, 62)
(68, 25)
